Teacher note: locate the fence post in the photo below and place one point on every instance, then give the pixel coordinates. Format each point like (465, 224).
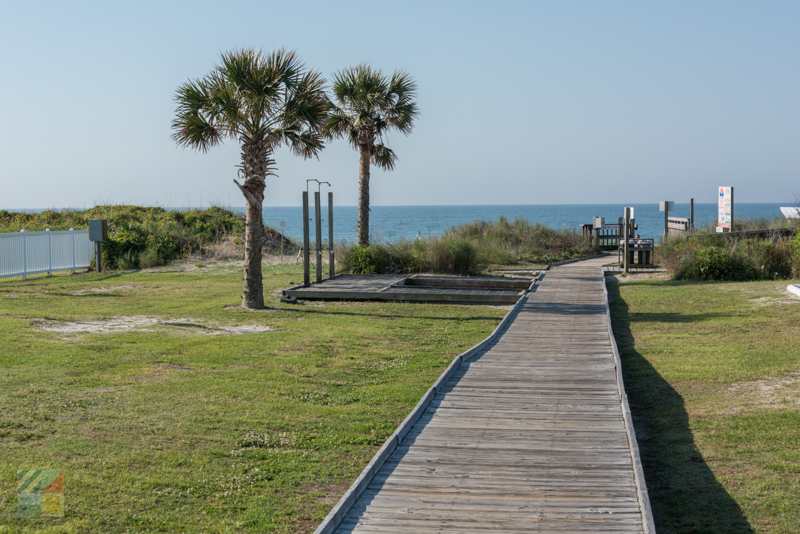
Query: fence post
(691, 214)
(49, 254)
(72, 233)
(24, 255)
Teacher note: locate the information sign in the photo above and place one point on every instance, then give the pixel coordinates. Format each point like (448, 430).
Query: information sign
(724, 218)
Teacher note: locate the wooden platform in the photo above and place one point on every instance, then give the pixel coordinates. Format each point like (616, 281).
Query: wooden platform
(408, 288)
(529, 434)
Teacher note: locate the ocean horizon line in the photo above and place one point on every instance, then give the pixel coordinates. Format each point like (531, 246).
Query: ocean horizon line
(266, 206)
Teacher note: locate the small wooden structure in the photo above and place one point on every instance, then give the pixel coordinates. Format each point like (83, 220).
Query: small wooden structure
(405, 288)
(640, 251)
(606, 238)
(680, 224)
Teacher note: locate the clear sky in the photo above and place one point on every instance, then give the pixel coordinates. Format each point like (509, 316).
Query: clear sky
(520, 102)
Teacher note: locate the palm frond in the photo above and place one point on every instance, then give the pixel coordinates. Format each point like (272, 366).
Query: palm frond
(383, 157)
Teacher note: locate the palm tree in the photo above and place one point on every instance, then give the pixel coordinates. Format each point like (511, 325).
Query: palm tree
(366, 106)
(263, 101)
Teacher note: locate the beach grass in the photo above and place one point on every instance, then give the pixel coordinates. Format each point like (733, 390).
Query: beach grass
(712, 371)
(185, 426)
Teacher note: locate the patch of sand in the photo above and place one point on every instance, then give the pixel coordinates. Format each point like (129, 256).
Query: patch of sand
(106, 289)
(769, 301)
(144, 323)
(770, 392)
(656, 275)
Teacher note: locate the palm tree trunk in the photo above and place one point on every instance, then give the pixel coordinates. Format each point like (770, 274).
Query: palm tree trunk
(363, 195)
(253, 295)
(255, 163)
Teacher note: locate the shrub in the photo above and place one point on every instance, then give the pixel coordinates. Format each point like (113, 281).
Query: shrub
(367, 260)
(711, 263)
(452, 255)
(150, 258)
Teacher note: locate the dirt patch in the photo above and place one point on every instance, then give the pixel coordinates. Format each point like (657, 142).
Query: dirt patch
(144, 323)
(769, 301)
(780, 392)
(106, 289)
(630, 277)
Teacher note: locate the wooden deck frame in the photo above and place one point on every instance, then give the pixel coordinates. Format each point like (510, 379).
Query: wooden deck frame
(487, 290)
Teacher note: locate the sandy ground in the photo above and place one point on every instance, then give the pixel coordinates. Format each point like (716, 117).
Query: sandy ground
(144, 323)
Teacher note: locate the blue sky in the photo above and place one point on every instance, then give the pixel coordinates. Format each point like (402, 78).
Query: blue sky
(521, 102)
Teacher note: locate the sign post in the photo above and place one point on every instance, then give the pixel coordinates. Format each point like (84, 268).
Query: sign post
(725, 210)
(666, 206)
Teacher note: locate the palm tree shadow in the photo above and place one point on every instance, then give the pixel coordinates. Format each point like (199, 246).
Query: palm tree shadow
(684, 494)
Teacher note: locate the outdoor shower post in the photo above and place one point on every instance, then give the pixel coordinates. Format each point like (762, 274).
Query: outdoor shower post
(627, 240)
(331, 264)
(318, 229)
(306, 266)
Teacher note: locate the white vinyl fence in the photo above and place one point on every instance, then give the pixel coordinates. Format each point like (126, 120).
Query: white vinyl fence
(25, 253)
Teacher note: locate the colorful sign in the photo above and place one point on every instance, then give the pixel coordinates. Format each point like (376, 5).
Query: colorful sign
(725, 208)
(40, 492)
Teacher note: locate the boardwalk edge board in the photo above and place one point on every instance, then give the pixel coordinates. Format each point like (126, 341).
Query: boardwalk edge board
(338, 513)
(638, 471)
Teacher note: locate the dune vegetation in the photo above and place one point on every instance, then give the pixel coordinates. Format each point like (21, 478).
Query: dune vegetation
(142, 236)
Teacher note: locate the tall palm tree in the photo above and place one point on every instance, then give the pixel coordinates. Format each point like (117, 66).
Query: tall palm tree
(366, 106)
(263, 101)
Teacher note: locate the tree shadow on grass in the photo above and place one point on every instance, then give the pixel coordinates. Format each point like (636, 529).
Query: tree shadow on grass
(684, 494)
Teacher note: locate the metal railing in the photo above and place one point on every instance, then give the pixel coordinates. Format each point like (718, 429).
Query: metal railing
(23, 253)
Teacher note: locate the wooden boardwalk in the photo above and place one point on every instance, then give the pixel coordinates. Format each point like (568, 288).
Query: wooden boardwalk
(531, 434)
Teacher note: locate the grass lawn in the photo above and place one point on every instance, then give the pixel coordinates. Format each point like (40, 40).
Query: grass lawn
(184, 426)
(712, 370)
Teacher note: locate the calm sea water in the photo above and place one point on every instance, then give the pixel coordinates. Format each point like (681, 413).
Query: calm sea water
(391, 223)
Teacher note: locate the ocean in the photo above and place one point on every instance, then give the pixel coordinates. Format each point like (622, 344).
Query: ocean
(392, 223)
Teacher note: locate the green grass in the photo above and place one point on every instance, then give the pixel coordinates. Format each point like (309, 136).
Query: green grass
(712, 370)
(169, 430)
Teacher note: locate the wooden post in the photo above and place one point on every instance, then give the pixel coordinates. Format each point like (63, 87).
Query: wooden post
(731, 209)
(318, 229)
(597, 238)
(98, 259)
(691, 214)
(306, 266)
(331, 262)
(619, 237)
(666, 219)
(626, 240)
(281, 245)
